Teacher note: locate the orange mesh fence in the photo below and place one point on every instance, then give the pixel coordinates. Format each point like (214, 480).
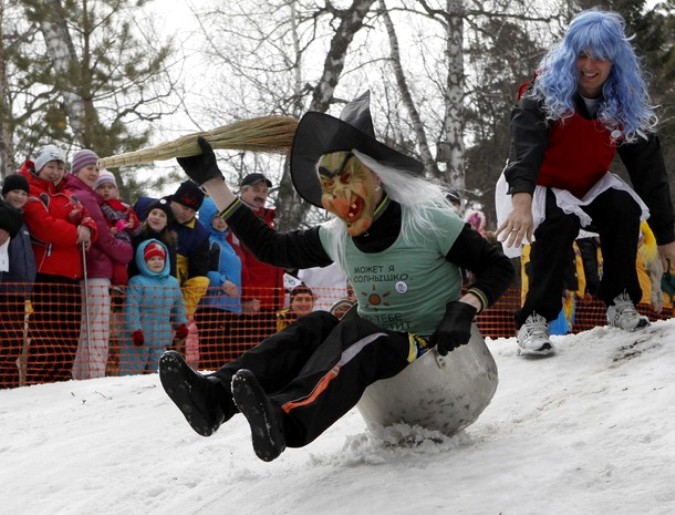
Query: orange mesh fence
(57, 332)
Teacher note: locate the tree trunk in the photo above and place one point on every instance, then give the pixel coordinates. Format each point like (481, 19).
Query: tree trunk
(420, 134)
(291, 211)
(62, 53)
(6, 146)
(451, 146)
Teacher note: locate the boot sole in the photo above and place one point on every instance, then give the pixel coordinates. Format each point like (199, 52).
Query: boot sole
(642, 324)
(544, 352)
(266, 431)
(172, 374)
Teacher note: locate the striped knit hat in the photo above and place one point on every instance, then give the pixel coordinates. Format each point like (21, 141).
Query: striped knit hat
(152, 250)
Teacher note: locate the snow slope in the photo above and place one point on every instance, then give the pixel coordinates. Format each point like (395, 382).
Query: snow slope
(590, 431)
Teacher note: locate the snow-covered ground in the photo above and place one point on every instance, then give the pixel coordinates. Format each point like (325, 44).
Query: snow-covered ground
(590, 431)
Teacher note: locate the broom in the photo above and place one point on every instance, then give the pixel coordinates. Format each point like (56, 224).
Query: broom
(271, 134)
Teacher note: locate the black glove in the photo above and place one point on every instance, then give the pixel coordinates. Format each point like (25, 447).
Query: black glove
(455, 328)
(202, 167)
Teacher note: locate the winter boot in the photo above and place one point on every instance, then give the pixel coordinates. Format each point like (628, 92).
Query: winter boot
(622, 314)
(262, 414)
(533, 337)
(203, 400)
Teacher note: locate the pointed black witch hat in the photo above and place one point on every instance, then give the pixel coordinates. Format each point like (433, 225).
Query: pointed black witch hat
(318, 134)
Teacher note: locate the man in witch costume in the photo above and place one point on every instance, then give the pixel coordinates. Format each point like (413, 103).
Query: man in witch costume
(402, 246)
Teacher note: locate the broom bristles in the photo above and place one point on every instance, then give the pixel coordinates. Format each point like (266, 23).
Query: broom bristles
(271, 134)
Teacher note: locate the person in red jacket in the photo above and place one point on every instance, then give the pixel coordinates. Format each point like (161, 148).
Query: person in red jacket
(102, 257)
(61, 230)
(262, 284)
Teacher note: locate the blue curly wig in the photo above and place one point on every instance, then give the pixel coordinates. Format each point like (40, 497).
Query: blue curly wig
(626, 105)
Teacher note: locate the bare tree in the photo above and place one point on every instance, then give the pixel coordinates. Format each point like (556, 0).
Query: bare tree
(430, 165)
(287, 33)
(413, 55)
(16, 79)
(6, 144)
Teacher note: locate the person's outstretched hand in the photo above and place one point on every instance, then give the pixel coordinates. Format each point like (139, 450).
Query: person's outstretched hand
(202, 167)
(455, 328)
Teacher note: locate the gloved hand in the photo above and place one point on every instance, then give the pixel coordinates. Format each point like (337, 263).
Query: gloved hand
(76, 213)
(181, 332)
(455, 328)
(139, 339)
(121, 225)
(202, 167)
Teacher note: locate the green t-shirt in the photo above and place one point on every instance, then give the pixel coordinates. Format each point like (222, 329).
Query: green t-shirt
(405, 287)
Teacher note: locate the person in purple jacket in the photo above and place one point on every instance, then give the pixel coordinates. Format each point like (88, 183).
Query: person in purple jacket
(92, 350)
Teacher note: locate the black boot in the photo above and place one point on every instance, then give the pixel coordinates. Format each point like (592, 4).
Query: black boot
(203, 400)
(262, 414)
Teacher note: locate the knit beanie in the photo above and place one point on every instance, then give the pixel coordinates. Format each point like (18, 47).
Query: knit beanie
(105, 177)
(83, 158)
(152, 250)
(189, 195)
(14, 182)
(46, 154)
(162, 204)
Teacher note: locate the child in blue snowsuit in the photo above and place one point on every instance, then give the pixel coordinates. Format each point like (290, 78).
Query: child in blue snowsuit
(154, 305)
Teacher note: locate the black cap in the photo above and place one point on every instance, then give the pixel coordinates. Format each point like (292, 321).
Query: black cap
(252, 178)
(189, 195)
(453, 196)
(14, 182)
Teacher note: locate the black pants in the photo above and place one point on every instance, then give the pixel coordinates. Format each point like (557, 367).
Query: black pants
(616, 218)
(317, 369)
(11, 337)
(55, 329)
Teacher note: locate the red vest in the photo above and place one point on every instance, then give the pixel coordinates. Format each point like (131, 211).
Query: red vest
(579, 153)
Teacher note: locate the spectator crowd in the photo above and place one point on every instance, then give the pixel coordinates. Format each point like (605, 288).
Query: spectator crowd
(91, 286)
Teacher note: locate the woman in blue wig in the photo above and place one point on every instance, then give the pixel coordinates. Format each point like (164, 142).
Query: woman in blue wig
(587, 101)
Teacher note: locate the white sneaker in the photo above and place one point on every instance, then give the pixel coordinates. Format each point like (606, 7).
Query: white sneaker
(533, 337)
(622, 314)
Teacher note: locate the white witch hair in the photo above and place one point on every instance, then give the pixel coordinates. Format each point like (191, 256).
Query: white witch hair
(415, 194)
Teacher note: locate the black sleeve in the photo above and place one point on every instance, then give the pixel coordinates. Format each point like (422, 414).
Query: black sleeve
(295, 249)
(493, 270)
(529, 139)
(647, 170)
(11, 219)
(198, 260)
(214, 257)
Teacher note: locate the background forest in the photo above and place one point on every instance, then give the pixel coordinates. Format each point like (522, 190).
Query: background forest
(118, 75)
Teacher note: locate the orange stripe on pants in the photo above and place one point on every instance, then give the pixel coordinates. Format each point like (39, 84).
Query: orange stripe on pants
(320, 387)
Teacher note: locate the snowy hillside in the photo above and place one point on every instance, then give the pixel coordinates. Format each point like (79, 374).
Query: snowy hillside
(591, 431)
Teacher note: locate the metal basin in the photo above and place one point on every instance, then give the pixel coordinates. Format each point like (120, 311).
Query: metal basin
(445, 394)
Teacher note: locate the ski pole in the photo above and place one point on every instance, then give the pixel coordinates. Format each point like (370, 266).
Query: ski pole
(86, 295)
